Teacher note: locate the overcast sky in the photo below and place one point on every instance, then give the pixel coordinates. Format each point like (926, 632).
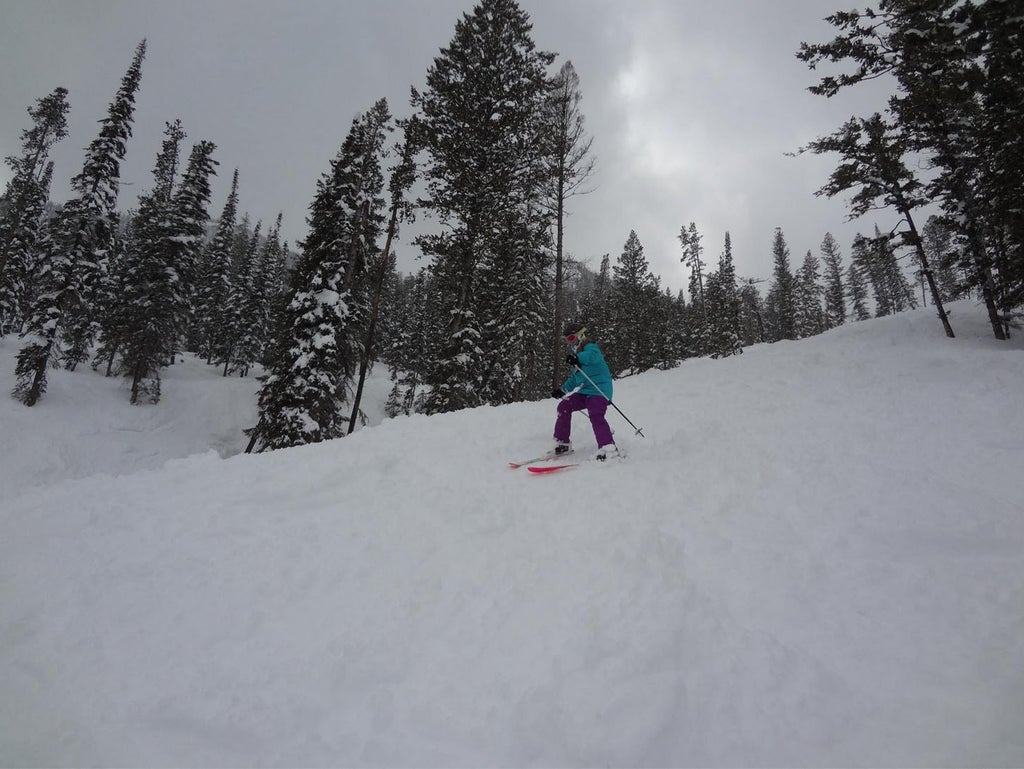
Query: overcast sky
(692, 105)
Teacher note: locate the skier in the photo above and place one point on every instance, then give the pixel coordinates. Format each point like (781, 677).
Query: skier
(589, 387)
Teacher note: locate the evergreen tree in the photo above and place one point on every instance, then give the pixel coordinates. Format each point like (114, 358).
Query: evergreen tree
(809, 319)
(168, 235)
(72, 269)
(483, 130)
(699, 320)
(677, 346)
(316, 353)
(24, 204)
(998, 32)
(938, 243)
(752, 314)
(893, 277)
(857, 288)
(877, 258)
(780, 309)
(242, 346)
(129, 321)
(865, 257)
(407, 327)
(267, 284)
(724, 307)
(835, 293)
(633, 332)
(112, 310)
(190, 219)
(593, 306)
(213, 283)
(958, 68)
(513, 292)
(872, 154)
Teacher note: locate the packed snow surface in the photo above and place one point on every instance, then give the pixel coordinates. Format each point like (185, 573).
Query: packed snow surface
(815, 557)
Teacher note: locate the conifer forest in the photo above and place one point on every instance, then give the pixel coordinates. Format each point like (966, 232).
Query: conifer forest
(486, 158)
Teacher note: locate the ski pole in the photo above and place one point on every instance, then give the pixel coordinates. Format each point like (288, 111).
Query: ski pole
(610, 403)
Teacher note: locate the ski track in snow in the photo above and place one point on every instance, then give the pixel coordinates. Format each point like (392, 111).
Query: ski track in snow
(815, 558)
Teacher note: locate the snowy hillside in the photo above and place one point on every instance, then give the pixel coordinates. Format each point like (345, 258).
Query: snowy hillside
(814, 558)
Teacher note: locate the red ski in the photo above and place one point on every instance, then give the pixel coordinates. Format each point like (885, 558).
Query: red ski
(551, 468)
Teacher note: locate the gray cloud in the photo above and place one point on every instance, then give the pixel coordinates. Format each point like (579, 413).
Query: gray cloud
(692, 105)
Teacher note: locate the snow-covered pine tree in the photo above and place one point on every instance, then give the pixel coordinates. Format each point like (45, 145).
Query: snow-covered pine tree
(87, 233)
(947, 260)
(139, 330)
(514, 295)
(316, 354)
(112, 311)
(662, 338)
(267, 285)
(160, 267)
(752, 320)
(482, 128)
(129, 318)
(677, 346)
(877, 259)
(724, 307)
(834, 292)
(190, 217)
(780, 311)
(896, 284)
(631, 340)
(213, 283)
(73, 267)
(406, 329)
(865, 257)
(998, 32)
(699, 321)
(856, 287)
(808, 316)
(242, 347)
(24, 203)
(594, 305)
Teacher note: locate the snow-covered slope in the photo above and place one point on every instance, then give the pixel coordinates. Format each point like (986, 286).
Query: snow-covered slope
(815, 557)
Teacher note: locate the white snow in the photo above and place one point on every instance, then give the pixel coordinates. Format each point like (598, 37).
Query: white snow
(814, 558)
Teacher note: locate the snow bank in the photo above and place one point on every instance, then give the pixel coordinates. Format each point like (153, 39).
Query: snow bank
(816, 557)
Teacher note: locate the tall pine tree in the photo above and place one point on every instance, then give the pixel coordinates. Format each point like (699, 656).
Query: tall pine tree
(835, 295)
(73, 268)
(780, 306)
(24, 202)
(483, 130)
(317, 350)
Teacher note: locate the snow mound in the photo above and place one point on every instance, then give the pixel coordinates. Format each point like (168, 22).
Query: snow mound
(815, 557)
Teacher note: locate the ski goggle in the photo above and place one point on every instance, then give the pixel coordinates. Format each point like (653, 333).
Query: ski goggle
(575, 338)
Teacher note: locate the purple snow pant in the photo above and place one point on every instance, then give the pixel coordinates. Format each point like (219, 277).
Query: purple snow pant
(595, 405)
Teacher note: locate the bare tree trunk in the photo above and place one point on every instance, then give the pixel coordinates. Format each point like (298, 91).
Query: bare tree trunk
(915, 240)
(556, 340)
(371, 329)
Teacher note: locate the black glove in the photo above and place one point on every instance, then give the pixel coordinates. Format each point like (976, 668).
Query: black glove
(572, 359)
(557, 394)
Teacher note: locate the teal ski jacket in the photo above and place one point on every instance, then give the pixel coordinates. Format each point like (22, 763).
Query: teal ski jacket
(593, 364)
